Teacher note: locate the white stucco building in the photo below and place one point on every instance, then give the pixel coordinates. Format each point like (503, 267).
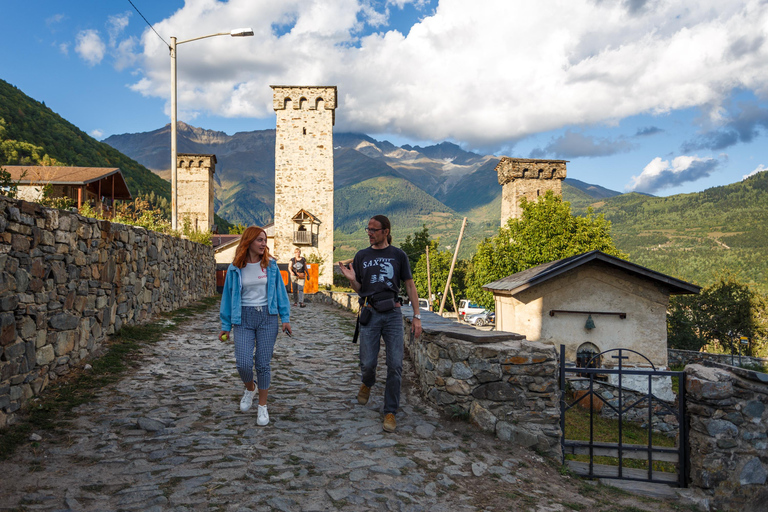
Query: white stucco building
(590, 303)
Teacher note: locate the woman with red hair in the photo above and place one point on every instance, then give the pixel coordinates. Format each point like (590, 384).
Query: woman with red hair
(252, 298)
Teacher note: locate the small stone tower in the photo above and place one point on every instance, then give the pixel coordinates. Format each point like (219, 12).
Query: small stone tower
(529, 178)
(304, 173)
(195, 190)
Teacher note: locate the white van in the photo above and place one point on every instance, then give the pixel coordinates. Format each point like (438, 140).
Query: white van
(466, 307)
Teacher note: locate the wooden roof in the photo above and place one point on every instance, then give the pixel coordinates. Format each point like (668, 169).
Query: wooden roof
(61, 175)
(534, 276)
(303, 215)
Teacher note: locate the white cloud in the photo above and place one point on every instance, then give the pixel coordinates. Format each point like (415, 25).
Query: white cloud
(759, 168)
(660, 174)
(116, 25)
(90, 47)
(64, 48)
(97, 134)
(55, 19)
(486, 72)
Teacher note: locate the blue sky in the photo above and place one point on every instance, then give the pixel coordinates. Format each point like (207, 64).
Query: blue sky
(656, 96)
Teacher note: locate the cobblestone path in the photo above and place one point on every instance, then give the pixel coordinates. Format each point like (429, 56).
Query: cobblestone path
(170, 436)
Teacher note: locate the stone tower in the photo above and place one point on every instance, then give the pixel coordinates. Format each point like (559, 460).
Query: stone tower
(195, 190)
(529, 178)
(304, 173)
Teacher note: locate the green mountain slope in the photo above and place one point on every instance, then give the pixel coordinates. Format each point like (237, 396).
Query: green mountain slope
(407, 206)
(27, 120)
(695, 236)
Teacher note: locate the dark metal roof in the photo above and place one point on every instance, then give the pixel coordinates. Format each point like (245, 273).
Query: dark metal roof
(537, 275)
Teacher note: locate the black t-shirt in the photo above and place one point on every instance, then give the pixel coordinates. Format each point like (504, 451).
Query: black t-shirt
(380, 270)
(299, 265)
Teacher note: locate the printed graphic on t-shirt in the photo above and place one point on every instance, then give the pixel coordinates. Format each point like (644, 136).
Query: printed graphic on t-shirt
(385, 270)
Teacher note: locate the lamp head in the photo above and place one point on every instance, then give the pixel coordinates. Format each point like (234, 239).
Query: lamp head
(241, 32)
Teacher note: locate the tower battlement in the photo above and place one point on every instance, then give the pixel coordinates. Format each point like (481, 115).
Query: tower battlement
(529, 178)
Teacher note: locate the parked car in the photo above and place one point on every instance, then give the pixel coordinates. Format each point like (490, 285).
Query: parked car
(466, 307)
(481, 319)
(424, 304)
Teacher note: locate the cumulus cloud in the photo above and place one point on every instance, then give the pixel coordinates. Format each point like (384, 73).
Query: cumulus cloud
(573, 145)
(485, 74)
(90, 47)
(661, 174)
(759, 168)
(97, 134)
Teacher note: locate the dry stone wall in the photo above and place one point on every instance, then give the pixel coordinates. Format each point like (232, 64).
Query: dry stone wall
(66, 282)
(506, 384)
(678, 357)
(729, 435)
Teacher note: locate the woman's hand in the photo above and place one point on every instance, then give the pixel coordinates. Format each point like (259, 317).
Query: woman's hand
(287, 328)
(224, 336)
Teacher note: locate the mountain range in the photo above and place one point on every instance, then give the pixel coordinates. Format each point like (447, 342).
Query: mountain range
(696, 237)
(690, 236)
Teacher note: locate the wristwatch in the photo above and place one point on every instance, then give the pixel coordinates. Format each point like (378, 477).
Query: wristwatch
(418, 317)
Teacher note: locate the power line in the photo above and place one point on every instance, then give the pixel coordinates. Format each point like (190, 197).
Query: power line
(148, 23)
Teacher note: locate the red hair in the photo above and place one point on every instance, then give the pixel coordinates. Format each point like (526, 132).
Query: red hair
(250, 234)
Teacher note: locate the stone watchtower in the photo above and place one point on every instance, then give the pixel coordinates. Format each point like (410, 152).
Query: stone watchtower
(304, 173)
(529, 178)
(195, 190)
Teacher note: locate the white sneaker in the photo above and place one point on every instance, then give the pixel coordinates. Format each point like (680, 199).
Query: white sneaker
(263, 416)
(247, 401)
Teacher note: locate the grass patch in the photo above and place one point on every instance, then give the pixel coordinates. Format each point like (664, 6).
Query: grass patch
(49, 411)
(607, 431)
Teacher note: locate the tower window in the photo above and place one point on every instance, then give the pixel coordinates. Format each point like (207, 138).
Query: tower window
(304, 130)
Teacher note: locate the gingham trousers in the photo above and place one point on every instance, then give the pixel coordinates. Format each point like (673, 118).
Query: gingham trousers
(254, 342)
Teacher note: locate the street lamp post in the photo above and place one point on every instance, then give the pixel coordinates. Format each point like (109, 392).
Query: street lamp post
(238, 32)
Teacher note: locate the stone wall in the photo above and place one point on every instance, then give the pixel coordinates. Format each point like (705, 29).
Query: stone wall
(685, 357)
(342, 299)
(529, 178)
(304, 171)
(66, 282)
(506, 384)
(729, 435)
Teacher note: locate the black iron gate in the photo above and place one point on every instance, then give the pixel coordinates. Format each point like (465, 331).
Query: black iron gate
(620, 450)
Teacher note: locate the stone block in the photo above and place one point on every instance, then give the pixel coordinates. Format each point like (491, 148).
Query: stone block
(753, 473)
(7, 329)
(45, 355)
(64, 321)
(460, 370)
(65, 342)
(482, 417)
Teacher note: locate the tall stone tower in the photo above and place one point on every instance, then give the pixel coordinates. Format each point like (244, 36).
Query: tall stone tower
(304, 173)
(194, 180)
(529, 178)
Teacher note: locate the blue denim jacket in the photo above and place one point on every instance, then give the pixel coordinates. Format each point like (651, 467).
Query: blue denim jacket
(277, 297)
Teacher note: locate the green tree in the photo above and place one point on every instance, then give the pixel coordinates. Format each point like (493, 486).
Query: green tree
(237, 229)
(439, 266)
(547, 231)
(415, 246)
(717, 317)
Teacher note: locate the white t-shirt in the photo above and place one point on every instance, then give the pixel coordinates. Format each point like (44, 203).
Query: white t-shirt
(254, 281)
